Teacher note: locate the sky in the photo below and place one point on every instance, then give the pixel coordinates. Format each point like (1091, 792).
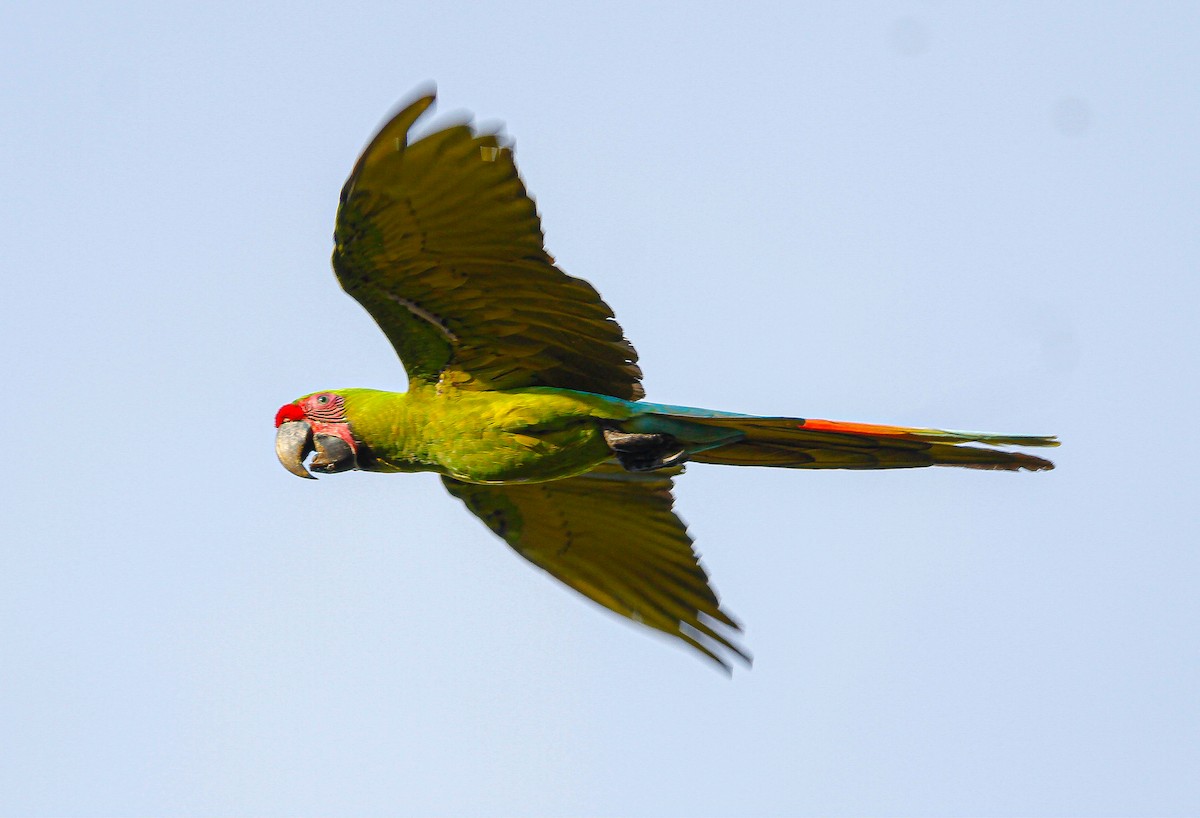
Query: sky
(974, 215)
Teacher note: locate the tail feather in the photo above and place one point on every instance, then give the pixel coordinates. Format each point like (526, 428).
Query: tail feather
(929, 435)
(824, 444)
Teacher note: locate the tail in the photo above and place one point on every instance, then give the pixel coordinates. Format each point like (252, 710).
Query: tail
(796, 443)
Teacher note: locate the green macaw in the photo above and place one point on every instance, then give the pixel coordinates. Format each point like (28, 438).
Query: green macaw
(525, 397)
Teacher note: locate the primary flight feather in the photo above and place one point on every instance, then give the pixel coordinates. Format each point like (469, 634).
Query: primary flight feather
(525, 396)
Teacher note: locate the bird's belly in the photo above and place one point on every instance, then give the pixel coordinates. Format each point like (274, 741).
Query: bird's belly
(527, 454)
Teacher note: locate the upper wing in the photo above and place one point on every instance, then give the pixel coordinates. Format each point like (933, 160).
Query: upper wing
(440, 242)
(612, 536)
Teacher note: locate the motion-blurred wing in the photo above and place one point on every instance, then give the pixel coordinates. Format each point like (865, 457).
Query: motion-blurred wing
(439, 241)
(613, 537)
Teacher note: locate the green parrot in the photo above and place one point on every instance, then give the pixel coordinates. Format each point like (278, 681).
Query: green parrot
(525, 396)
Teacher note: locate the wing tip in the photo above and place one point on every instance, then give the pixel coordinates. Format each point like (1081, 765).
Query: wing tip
(396, 125)
(716, 647)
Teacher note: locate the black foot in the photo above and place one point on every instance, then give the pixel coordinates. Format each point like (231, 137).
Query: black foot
(644, 452)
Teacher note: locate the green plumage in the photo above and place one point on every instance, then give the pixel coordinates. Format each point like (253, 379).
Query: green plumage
(525, 395)
(440, 242)
(483, 437)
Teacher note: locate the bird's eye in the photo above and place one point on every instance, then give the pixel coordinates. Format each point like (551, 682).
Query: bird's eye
(323, 399)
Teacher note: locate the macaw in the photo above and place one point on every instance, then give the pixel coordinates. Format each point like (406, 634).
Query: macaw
(525, 396)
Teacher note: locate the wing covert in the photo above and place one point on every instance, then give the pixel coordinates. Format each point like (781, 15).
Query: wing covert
(439, 241)
(612, 536)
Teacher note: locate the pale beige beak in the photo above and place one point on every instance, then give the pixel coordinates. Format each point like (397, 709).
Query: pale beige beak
(293, 443)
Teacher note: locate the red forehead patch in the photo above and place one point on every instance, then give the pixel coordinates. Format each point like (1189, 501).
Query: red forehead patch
(289, 411)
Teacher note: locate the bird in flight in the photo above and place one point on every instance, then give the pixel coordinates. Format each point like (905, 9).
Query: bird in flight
(525, 396)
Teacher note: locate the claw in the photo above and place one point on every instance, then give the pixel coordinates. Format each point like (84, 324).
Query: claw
(644, 452)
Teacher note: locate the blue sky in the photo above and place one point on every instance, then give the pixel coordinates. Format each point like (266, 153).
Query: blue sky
(962, 215)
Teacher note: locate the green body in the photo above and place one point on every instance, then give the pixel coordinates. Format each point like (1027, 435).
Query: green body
(520, 435)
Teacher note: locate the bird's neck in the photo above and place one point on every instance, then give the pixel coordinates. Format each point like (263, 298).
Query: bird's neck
(390, 427)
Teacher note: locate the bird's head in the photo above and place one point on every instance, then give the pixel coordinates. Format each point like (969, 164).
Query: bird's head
(315, 423)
